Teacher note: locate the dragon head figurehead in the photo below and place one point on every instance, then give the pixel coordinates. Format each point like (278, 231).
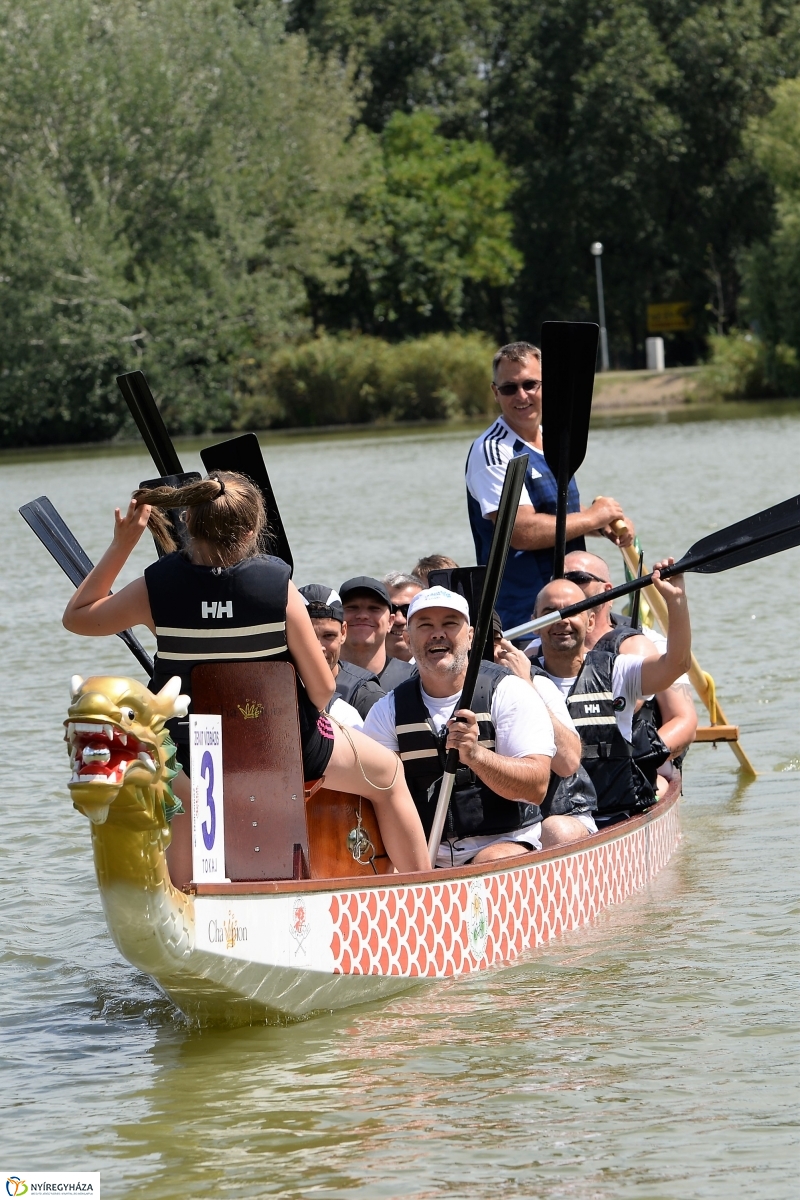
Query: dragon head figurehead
(117, 741)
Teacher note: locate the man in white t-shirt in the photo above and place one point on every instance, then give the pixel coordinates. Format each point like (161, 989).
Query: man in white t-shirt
(505, 743)
(602, 688)
(517, 387)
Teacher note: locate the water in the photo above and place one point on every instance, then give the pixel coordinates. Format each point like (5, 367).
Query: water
(653, 1056)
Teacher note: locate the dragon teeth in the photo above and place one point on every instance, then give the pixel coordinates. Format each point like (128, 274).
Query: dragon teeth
(123, 737)
(144, 757)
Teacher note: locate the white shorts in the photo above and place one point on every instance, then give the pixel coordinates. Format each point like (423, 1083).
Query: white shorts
(586, 819)
(458, 851)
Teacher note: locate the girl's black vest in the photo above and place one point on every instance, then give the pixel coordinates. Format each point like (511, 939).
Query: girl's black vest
(212, 614)
(567, 797)
(607, 756)
(475, 810)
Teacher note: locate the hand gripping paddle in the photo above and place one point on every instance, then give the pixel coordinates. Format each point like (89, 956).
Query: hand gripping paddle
(56, 536)
(767, 532)
(569, 358)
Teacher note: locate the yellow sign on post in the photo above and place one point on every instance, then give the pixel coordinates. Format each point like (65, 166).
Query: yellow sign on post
(669, 318)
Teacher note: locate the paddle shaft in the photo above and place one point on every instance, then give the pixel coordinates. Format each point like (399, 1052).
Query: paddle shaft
(498, 552)
(560, 546)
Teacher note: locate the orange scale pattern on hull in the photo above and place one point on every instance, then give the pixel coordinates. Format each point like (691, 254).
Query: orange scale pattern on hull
(460, 926)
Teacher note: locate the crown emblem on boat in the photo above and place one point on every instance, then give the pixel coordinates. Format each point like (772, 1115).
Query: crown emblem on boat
(250, 710)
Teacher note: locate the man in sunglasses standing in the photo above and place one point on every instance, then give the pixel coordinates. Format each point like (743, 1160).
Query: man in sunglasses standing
(517, 386)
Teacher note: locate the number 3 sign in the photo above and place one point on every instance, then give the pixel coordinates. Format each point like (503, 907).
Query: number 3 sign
(208, 824)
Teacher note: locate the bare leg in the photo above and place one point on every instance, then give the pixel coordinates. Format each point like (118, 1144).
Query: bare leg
(499, 850)
(385, 786)
(182, 787)
(559, 831)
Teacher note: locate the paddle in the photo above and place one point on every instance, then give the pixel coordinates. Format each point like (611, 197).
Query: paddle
(149, 422)
(767, 532)
(243, 454)
(569, 358)
(637, 597)
(498, 552)
(56, 536)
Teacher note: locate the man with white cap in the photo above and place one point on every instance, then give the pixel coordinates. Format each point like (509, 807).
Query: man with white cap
(505, 745)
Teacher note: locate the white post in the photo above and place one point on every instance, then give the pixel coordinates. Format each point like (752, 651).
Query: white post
(654, 353)
(597, 250)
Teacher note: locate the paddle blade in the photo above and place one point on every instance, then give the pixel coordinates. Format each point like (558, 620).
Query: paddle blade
(57, 539)
(149, 422)
(243, 454)
(569, 358)
(767, 532)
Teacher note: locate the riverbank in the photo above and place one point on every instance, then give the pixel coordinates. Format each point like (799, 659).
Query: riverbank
(620, 398)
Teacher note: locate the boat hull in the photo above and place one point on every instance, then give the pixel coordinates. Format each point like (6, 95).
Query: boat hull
(283, 950)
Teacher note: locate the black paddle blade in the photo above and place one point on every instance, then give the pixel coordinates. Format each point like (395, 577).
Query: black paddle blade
(767, 532)
(59, 540)
(243, 454)
(569, 359)
(149, 422)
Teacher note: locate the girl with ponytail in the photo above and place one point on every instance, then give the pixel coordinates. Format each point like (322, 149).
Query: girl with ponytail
(219, 598)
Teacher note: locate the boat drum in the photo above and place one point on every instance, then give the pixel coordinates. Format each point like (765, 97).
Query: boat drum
(283, 947)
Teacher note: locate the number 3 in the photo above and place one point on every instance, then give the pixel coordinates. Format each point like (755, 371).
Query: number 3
(207, 773)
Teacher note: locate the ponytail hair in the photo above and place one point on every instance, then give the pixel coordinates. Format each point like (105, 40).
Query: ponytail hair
(224, 512)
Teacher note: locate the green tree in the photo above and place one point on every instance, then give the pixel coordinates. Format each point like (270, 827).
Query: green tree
(436, 236)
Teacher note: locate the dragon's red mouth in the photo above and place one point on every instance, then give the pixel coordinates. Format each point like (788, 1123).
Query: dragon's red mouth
(102, 752)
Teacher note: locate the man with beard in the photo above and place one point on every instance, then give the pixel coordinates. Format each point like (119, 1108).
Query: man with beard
(505, 742)
(602, 687)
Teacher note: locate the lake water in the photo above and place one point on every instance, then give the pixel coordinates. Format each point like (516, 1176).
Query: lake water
(651, 1056)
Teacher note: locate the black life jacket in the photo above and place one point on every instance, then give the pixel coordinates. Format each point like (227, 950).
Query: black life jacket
(208, 614)
(608, 757)
(649, 749)
(474, 808)
(567, 796)
(358, 687)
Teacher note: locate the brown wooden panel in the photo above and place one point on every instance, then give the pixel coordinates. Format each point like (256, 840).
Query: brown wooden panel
(717, 733)
(331, 816)
(179, 851)
(262, 763)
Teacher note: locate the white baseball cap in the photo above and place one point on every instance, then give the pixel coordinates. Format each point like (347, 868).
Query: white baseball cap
(438, 597)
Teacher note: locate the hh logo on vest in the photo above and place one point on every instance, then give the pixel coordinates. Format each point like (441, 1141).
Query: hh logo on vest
(591, 708)
(217, 609)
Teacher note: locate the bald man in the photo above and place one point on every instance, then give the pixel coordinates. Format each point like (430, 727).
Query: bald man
(603, 686)
(671, 714)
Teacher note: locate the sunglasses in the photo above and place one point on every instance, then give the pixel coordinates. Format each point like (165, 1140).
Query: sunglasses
(511, 389)
(581, 577)
(400, 608)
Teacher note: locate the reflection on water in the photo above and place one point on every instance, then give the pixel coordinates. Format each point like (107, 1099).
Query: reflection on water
(649, 1056)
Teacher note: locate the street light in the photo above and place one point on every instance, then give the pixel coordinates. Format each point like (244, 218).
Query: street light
(597, 250)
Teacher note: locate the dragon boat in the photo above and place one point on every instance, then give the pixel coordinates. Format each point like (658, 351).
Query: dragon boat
(310, 916)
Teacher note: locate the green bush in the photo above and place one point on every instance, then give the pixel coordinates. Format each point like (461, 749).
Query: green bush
(743, 367)
(355, 380)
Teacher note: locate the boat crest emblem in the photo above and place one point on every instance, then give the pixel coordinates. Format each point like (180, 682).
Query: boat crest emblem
(299, 926)
(233, 932)
(251, 709)
(477, 918)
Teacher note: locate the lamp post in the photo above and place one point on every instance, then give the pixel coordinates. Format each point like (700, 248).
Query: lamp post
(597, 250)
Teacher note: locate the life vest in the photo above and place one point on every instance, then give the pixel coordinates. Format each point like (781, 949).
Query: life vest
(209, 614)
(474, 808)
(649, 748)
(358, 687)
(607, 756)
(567, 796)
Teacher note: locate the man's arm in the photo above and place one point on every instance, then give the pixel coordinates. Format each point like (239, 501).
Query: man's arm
(568, 745)
(537, 531)
(660, 673)
(679, 718)
(513, 778)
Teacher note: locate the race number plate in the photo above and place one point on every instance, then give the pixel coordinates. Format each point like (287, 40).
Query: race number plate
(208, 821)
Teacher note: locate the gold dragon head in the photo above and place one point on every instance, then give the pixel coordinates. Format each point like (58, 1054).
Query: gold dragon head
(116, 736)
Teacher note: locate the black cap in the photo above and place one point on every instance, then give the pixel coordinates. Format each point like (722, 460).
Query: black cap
(365, 583)
(322, 601)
